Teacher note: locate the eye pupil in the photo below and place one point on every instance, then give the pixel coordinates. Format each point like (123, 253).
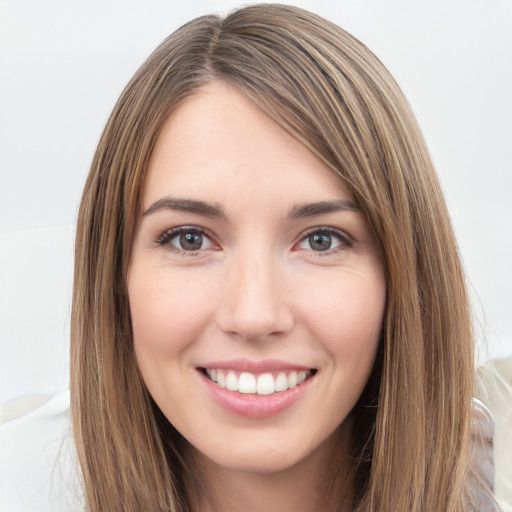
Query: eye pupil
(320, 241)
(191, 241)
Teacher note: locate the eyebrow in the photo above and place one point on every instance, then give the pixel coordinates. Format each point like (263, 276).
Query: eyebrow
(321, 208)
(186, 205)
(216, 211)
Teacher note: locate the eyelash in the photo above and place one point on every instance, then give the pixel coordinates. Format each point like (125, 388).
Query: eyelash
(345, 242)
(166, 238)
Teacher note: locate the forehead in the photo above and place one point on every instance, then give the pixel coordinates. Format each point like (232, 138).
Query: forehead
(219, 145)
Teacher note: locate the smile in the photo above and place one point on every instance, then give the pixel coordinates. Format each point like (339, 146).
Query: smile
(259, 384)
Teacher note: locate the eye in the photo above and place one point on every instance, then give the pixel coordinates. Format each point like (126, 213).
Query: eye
(186, 239)
(323, 240)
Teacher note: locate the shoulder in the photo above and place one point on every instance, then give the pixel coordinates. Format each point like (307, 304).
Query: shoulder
(38, 465)
(481, 475)
(494, 387)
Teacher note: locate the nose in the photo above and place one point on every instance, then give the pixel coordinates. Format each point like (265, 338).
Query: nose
(252, 304)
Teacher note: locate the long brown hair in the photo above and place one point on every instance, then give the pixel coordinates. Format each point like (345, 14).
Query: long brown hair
(332, 94)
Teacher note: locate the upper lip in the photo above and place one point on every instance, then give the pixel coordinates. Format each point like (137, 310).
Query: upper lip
(246, 365)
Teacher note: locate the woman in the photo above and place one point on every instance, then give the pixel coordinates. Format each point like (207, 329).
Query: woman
(269, 309)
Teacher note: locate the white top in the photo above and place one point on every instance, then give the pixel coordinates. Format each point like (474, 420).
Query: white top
(38, 470)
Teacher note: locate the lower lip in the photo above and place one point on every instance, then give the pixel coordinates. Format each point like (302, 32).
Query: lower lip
(253, 405)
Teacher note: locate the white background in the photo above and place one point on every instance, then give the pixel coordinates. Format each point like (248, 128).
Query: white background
(64, 63)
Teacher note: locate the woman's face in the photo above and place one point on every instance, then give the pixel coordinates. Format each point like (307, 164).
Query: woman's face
(256, 288)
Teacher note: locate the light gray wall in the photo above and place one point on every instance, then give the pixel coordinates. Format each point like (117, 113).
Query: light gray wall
(63, 65)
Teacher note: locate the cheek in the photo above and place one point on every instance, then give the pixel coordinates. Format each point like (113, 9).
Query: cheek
(347, 314)
(167, 315)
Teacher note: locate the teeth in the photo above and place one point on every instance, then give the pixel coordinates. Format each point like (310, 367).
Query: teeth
(263, 384)
(221, 380)
(282, 382)
(247, 383)
(232, 382)
(266, 385)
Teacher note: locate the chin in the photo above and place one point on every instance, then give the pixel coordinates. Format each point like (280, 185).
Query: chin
(266, 453)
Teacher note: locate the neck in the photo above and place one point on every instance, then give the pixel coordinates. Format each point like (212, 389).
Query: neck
(321, 481)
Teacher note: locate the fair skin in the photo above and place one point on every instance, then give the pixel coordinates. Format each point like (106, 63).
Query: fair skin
(253, 267)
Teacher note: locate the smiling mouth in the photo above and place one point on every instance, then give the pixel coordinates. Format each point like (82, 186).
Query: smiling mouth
(258, 384)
